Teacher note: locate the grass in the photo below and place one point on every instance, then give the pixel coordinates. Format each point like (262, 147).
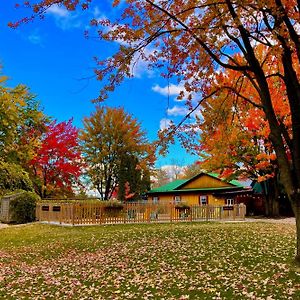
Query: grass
(157, 261)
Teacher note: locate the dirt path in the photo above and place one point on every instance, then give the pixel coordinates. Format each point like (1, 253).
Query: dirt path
(3, 225)
(278, 221)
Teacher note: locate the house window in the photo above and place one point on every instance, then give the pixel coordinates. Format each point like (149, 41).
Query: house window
(177, 199)
(155, 199)
(203, 200)
(229, 202)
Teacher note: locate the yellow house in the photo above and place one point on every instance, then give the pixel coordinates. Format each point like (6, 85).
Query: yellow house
(202, 189)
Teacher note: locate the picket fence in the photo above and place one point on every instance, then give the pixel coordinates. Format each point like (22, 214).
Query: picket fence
(90, 214)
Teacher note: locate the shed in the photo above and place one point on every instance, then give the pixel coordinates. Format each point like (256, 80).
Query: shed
(4, 207)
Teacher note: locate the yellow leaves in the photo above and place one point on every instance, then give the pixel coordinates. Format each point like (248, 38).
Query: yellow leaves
(3, 79)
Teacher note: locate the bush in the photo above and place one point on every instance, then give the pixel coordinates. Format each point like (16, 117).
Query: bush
(182, 206)
(113, 208)
(22, 207)
(113, 204)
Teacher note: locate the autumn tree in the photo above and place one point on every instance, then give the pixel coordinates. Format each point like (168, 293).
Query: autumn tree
(160, 177)
(116, 151)
(193, 39)
(235, 145)
(13, 177)
(235, 133)
(57, 163)
(21, 123)
(192, 170)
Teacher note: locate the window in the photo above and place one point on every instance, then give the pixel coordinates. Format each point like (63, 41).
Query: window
(203, 200)
(155, 199)
(229, 202)
(177, 199)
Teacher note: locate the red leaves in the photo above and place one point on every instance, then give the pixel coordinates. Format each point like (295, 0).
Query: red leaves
(58, 160)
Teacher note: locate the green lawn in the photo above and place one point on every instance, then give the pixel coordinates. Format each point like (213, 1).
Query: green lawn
(157, 261)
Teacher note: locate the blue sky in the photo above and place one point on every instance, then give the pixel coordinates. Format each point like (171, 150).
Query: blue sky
(53, 57)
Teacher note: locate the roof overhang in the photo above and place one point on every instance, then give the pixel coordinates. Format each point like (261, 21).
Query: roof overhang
(231, 189)
(236, 192)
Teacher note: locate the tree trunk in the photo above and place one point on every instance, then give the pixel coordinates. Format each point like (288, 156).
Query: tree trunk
(271, 192)
(275, 207)
(274, 196)
(296, 210)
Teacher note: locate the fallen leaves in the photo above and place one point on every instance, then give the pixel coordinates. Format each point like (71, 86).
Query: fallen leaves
(157, 261)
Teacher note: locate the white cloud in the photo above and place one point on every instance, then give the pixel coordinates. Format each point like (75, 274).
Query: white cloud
(171, 90)
(35, 38)
(58, 11)
(177, 111)
(173, 171)
(164, 123)
(96, 12)
(139, 66)
(64, 19)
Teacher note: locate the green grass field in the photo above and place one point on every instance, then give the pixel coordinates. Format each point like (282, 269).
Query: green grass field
(157, 261)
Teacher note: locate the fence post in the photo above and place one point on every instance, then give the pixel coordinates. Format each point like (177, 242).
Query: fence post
(73, 212)
(148, 209)
(234, 211)
(37, 212)
(60, 214)
(207, 212)
(125, 208)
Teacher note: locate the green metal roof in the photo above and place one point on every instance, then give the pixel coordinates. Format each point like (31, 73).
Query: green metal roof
(175, 185)
(194, 190)
(169, 186)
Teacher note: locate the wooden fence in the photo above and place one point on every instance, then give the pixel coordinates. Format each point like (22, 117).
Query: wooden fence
(83, 214)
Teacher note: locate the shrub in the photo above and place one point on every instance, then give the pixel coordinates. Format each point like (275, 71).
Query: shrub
(22, 207)
(182, 205)
(113, 204)
(113, 208)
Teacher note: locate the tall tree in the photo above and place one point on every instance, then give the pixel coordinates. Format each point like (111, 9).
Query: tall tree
(21, 123)
(233, 141)
(133, 181)
(195, 38)
(57, 164)
(110, 140)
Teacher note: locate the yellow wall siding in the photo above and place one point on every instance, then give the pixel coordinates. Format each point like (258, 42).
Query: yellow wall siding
(205, 181)
(217, 201)
(191, 199)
